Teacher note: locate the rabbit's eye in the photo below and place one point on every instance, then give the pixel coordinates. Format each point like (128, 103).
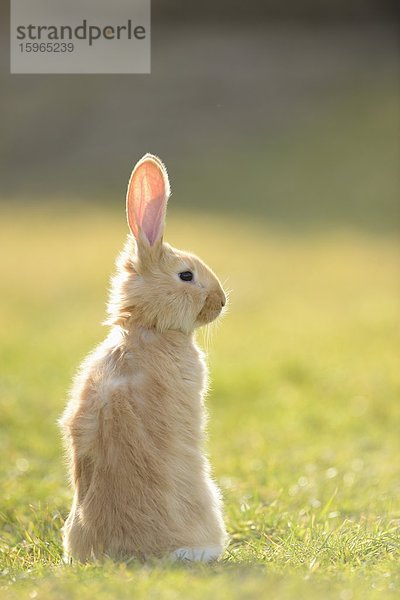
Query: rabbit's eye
(186, 275)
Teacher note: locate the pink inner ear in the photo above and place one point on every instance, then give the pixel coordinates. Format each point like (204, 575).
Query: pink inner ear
(147, 199)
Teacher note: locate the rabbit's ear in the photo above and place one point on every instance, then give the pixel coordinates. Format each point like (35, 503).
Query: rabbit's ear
(146, 200)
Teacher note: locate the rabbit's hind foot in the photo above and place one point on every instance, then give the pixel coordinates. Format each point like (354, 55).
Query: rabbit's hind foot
(201, 554)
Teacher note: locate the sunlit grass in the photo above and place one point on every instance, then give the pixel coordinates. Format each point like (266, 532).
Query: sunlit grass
(305, 421)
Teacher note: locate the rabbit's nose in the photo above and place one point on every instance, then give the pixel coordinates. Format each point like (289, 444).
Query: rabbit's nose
(223, 300)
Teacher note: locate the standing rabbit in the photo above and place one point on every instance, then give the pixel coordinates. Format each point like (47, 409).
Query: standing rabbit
(134, 425)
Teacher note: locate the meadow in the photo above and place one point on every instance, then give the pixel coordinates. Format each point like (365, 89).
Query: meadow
(304, 402)
(304, 414)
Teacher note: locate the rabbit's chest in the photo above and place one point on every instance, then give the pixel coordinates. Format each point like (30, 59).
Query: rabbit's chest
(171, 360)
(165, 375)
(180, 373)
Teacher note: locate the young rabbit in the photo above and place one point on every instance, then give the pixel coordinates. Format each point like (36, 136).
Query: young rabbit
(134, 425)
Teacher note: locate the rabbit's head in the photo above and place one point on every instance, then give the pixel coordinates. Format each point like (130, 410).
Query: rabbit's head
(158, 286)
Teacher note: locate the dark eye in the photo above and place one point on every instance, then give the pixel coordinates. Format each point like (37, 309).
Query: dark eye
(186, 275)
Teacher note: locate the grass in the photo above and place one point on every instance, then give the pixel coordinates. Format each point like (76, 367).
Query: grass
(305, 421)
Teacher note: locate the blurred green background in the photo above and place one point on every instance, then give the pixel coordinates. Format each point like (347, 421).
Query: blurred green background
(279, 124)
(287, 111)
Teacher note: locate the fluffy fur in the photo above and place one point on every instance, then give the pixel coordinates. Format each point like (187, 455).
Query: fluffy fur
(134, 425)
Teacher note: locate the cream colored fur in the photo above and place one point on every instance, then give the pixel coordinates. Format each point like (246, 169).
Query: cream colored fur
(134, 425)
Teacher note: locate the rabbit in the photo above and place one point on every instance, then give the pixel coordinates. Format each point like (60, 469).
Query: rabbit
(135, 423)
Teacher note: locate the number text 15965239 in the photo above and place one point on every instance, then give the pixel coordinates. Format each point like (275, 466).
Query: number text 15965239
(53, 47)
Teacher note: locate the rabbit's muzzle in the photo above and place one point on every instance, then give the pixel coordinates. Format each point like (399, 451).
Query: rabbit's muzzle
(212, 306)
